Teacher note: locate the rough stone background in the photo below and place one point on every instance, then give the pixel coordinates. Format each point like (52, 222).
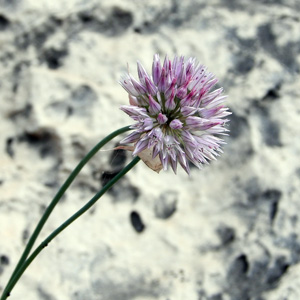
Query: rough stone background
(227, 232)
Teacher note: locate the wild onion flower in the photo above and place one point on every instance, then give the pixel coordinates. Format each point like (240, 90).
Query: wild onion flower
(176, 113)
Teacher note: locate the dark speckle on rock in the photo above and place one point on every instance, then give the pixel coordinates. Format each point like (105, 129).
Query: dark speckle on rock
(244, 64)
(21, 113)
(137, 30)
(226, 234)
(258, 269)
(216, 297)
(165, 205)
(253, 190)
(107, 176)
(118, 159)
(53, 57)
(84, 94)
(270, 129)
(85, 17)
(86, 187)
(239, 268)
(44, 140)
(82, 101)
(4, 260)
(277, 271)
(121, 18)
(25, 236)
(116, 22)
(43, 32)
(292, 244)
(22, 41)
(44, 295)
(237, 278)
(137, 222)
(10, 3)
(4, 22)
(70, 111)
(273, 196)
(285, 53)
(232, 4)
(273, 210)
(256, 196)
(271, 133)
(125, 192)
(237, 125)
(272, 94)
(18, 72)
(38, 35)
(9, 146)
(40, 38)
(267, 37)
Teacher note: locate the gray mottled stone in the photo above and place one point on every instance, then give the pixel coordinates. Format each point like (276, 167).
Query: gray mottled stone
(227, 232)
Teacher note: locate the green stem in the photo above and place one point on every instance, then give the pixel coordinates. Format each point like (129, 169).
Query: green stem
(58, 230)
(59, 194)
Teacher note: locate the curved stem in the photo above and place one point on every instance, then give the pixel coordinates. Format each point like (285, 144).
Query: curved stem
(45, 243)
(60, 193)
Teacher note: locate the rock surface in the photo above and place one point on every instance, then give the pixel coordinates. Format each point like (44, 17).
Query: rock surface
(227, 232)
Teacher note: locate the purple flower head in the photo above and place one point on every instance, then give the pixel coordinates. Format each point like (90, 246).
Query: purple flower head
(176, 113)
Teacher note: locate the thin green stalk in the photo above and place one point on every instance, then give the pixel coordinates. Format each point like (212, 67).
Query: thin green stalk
(45, 243)
(60, 193)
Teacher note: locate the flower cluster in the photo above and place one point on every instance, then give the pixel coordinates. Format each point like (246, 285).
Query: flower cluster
(176, 113)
